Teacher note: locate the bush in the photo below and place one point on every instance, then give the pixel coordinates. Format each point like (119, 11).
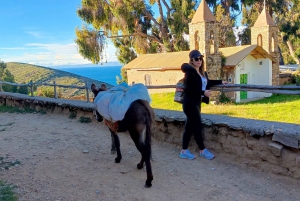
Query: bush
(23, 90)
(85, 120)
(224, 99)
(296, 76)
(48, 92)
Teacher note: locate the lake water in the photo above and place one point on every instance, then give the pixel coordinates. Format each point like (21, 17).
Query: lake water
(104, 73)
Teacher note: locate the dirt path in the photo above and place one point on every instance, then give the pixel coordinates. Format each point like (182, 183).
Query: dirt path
(54, 166)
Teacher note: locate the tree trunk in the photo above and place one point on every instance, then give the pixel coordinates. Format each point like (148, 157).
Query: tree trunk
(292, 52)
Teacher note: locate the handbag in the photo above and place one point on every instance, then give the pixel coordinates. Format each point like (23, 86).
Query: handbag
(179, 92)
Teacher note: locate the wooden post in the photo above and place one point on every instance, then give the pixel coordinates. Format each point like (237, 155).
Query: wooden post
(0, 86)
(55, 94)
(87, 91)
(31, 87)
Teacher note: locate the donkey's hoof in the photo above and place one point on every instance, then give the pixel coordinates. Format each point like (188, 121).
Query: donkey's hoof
(117, 160)
(139, 166)
(113, 151)
(148, 184)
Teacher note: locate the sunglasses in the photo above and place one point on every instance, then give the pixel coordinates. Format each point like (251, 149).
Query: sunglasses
(198, 59)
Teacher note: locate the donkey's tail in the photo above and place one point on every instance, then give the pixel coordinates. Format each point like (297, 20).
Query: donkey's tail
(149, 123)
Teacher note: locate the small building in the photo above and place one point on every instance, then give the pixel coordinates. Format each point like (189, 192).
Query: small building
(256, 64)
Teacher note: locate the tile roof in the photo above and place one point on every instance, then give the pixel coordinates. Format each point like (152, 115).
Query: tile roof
(174, 60)
(170, 60)
(236, 54)
(264, 19)
(203, 14)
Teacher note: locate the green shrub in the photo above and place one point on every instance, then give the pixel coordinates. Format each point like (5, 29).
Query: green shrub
(85, 120)
(72, 114)
(47, 91)
(7, 192)
(224, 99)
(296, 76)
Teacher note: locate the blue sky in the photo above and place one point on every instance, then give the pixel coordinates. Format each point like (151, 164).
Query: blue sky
(41, 32)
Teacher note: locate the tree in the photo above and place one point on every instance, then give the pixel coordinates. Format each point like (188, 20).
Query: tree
(227, 37)
(286, 14)
(23, 90)
(133, 27)
(2, 68)
(8, 77)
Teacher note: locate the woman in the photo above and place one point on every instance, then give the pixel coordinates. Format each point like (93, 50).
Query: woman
(196, 85)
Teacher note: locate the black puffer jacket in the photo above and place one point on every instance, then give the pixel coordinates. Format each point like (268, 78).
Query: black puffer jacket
(193, 83)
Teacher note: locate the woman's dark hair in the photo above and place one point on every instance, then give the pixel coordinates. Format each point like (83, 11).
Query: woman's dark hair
(201, 68)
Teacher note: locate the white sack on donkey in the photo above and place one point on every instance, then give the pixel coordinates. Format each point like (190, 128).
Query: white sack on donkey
(113, 103)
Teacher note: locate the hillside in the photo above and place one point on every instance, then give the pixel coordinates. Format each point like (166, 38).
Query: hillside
(24, 73)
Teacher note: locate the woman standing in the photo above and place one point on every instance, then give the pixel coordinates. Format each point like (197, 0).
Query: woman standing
(196, 85)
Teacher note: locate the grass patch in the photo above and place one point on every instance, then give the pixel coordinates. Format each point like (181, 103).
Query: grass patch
(7, 192)
(12, 109)
(278, 108)
(72, 114)
(85, 120)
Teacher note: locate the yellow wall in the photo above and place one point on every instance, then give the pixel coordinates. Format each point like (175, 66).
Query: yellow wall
(168, 77)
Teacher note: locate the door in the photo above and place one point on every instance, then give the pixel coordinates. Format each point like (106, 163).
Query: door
(243, 80)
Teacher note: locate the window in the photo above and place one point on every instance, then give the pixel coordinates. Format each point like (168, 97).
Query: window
(148, 80)
(212, 42)
(272, 43)
(197, 39)
(259, 40)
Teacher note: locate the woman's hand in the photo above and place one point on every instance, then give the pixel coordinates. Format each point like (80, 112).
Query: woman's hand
(207, 93)
(224, 82)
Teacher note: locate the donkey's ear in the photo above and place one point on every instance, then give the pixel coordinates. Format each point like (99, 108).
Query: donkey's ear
(103, 87)
(94, 88)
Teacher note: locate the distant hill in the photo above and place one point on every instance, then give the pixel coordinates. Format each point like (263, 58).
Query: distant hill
(24, 73)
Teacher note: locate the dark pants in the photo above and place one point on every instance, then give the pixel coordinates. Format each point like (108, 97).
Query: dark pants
(193, 123)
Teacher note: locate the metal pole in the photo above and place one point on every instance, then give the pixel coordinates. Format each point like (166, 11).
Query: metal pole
(87, 91)
(0, 85)
(55, 94)
(31, 87)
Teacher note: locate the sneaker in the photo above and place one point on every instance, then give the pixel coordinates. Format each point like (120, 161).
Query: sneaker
(187, 154)
(206, 154)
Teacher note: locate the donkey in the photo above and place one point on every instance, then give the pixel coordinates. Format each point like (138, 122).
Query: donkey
(138, 121)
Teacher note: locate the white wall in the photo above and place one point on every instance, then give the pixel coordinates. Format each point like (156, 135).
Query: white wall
(257, 74)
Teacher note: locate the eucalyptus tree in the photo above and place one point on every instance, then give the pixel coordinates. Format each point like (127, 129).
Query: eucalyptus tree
(2, 68)
(133, 27)
(286, 14)
(227, 37)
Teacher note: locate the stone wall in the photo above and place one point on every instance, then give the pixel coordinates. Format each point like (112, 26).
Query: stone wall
(286, 78)
(269, 146)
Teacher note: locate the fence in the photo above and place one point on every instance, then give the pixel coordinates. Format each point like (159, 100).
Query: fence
(287, 89)
(31, 84)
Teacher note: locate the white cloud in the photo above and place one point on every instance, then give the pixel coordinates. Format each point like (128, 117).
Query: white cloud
(52, 54)
(35, 34)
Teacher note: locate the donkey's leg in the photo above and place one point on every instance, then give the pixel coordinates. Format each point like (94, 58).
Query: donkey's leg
(146, 154)
(113, 149)
(117, 144)
(148, 183)
(136, 139)
(144, 147)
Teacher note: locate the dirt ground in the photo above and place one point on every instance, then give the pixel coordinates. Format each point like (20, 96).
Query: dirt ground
(63, 160)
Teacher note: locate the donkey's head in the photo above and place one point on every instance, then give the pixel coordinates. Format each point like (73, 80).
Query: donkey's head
(95, 91)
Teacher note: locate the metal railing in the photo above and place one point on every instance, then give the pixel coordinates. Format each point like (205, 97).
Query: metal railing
(31, 86)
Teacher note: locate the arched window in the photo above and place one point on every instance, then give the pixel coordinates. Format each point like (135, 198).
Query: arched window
(259, 40)
(148, 81)
(196, 38)
(272, 43)
(211, 42)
